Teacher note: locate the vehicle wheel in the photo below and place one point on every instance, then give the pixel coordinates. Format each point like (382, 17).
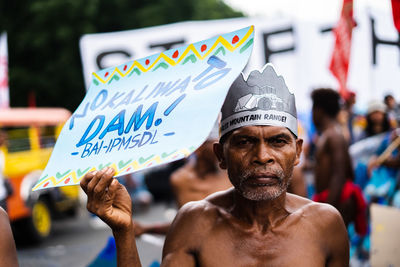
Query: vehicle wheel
(40, 223)
(72, 212)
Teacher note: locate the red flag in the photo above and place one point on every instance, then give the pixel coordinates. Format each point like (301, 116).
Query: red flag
(396, 14)
(339, 65)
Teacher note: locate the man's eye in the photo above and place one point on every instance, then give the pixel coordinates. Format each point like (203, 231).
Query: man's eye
(243, 142)
(279, 141)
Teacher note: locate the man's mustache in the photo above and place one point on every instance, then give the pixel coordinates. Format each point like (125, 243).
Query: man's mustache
(253, 173)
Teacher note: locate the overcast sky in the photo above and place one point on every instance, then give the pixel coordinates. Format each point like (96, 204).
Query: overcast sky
(312, 9)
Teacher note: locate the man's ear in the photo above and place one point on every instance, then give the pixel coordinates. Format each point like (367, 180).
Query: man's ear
(219, 153)
(299, 148)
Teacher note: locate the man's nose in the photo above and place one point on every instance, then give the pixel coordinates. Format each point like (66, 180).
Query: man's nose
(263, 154)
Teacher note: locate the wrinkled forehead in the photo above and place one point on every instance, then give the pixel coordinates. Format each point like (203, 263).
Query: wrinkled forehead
(269, 129)
(258, 130)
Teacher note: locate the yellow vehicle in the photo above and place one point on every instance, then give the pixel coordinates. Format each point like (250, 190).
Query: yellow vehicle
(31, 135)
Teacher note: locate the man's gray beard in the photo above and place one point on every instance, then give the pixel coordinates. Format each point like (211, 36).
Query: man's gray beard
(267, 192)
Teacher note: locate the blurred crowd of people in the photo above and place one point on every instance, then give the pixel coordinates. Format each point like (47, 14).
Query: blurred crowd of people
(370, 175)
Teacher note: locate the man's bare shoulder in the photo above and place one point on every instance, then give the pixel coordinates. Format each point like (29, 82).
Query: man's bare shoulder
(297, 202)
(215, 202)
(320, 215)
(334, 136)
(194, 222)
(8, 253)
(326, 225)
(204, 211)
(4, 221)
(220, 203)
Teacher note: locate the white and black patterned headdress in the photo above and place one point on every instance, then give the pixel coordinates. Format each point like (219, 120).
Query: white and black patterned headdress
(263, 99)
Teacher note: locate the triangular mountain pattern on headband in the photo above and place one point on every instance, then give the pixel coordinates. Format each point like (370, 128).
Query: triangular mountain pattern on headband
(264, 99)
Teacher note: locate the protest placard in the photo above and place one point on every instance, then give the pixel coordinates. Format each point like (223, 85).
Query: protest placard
(149, 111)
(385, 247)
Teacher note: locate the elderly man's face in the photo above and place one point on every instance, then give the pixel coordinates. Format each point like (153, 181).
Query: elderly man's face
(259, 160)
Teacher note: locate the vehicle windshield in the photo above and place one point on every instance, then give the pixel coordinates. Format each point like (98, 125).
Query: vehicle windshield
(18, 138)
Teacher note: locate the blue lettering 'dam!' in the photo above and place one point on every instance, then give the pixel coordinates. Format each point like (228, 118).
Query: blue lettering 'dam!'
(149, 111)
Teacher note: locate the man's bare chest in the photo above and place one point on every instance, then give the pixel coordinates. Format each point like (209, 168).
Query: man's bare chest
(236, 248)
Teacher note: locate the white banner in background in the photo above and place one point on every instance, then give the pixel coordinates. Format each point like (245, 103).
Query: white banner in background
(299, 49)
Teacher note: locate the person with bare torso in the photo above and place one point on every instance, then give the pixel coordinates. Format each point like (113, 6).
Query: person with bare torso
(194, 181)
(199, 178)
(333, 168)
(255, 223)
(8, 252)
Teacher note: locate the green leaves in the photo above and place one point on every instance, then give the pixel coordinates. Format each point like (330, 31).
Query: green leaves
(43, 39)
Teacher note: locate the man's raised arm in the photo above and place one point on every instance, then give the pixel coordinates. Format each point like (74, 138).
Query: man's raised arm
(109, 200)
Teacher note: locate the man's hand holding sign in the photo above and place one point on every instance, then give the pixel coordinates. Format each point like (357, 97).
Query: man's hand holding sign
(107, 198)
(111, 202)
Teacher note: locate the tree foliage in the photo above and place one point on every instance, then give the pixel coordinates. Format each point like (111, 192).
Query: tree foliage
(43, 39)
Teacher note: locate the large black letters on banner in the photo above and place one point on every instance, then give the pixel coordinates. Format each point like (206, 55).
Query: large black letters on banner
(267, 49)
(377, 41)
(104, 54)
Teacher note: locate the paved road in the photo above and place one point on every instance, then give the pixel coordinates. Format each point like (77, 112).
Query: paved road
(76, 242)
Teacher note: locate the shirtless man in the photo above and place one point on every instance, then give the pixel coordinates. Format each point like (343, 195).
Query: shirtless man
(333, 169)
(194, 181)
(256, 223)
(8, 253)
(199, 178)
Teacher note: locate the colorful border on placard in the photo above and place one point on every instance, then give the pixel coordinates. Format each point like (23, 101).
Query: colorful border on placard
(172, 62)
(121, 167)
(76, 175)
